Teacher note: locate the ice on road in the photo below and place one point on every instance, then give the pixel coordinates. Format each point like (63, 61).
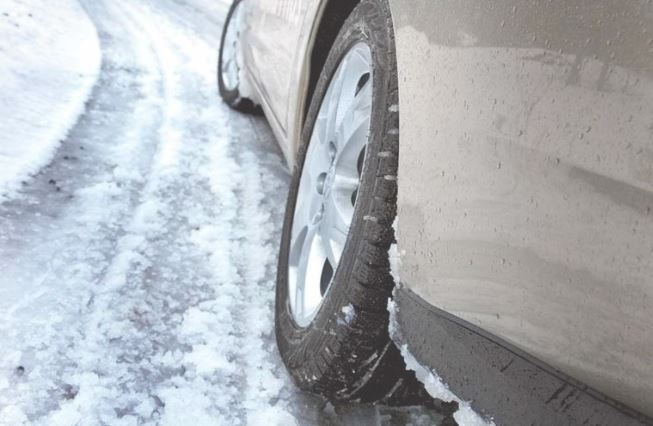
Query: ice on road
(138, 266)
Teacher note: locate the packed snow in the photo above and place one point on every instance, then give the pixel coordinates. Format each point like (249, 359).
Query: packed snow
(138, 261)
(49, 62)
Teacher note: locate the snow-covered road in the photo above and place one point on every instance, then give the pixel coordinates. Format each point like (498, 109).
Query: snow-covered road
(137, 268)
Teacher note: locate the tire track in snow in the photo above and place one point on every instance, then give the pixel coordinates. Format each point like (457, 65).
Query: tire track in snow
(57, 238)
(228, 242)
(185, 376)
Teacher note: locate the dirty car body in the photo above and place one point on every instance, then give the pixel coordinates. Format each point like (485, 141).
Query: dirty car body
(525, 199)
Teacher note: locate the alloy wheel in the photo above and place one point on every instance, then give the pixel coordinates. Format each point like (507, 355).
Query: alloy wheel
(231, 50)
(329, 183)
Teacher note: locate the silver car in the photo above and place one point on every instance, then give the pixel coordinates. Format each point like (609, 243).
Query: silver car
(506, 147)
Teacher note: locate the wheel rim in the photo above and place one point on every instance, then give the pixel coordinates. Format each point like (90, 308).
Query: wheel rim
(329, 182)
(230, 65)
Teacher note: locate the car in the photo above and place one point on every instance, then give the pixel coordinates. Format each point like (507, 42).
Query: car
(504, 152)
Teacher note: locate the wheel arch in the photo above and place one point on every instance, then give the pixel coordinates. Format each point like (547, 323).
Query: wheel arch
(332, 16)
(323, 24)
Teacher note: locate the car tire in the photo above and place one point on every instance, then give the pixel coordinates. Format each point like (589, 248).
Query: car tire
(345, 352)
(229, 53)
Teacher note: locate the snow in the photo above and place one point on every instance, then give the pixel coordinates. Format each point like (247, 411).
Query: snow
(465, 416)
(49, 61)
(138, 266)
(395, 257)
(434, 385)
(155, 303)
(349, 314)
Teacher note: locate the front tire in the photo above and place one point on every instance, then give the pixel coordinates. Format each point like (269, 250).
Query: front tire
(339, 346)
(230, 63)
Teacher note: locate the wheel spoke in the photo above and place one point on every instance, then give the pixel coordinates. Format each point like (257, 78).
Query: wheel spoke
(353, 72)
(337, 215)
(318, 159)
(320, 133)
(308, 271)
(301, 219)
(362, 101)
(333, 101)
(354, 140)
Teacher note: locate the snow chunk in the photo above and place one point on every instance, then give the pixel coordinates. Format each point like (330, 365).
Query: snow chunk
(395, 256)
(192, 407)
(12, 415)
(350, 314)
(208, 360)
(49, 61)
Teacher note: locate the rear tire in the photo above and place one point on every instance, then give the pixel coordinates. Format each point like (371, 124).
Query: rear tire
(345, 352)
(229, 85)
